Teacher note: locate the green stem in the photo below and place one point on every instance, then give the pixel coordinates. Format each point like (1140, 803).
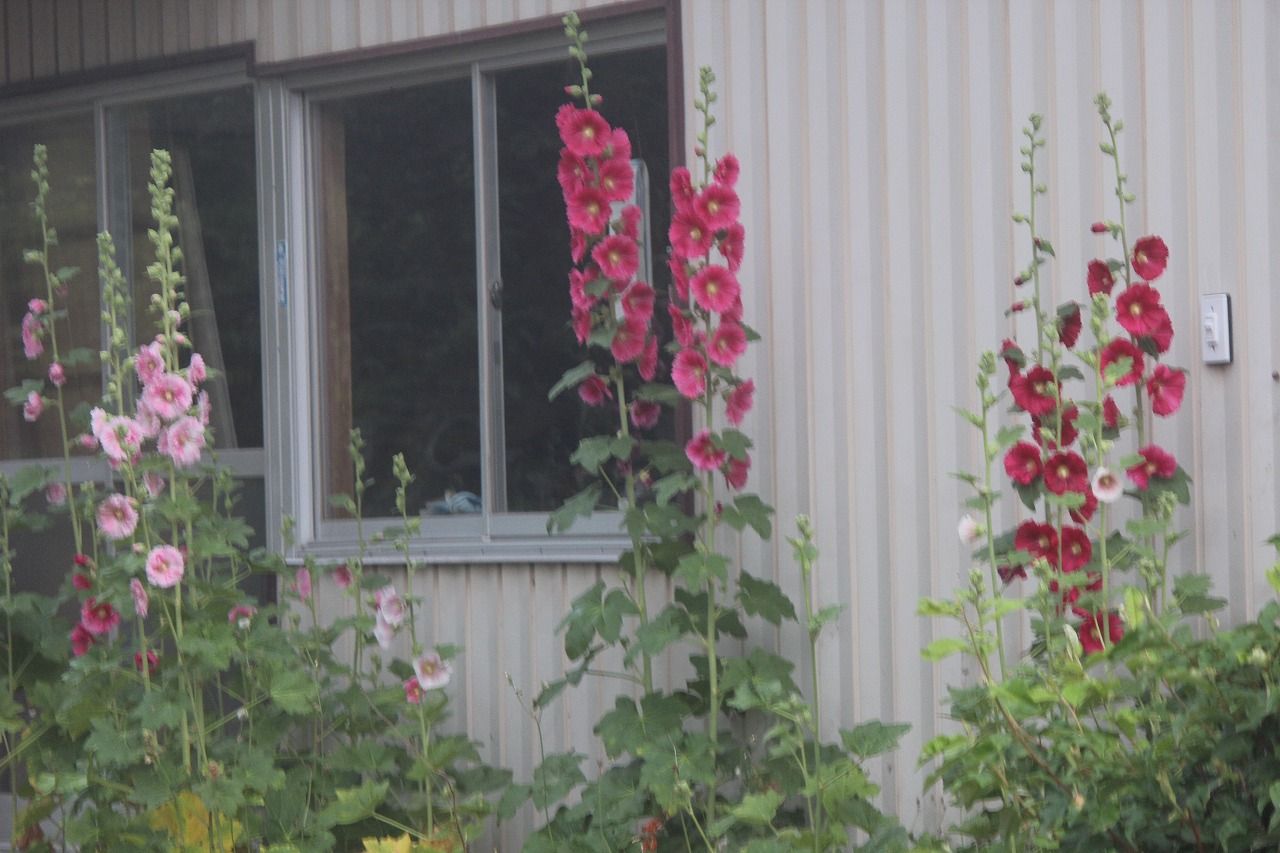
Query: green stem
(639, 558)
(988, 516)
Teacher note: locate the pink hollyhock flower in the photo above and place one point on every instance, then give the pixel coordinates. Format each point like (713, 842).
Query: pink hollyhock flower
(732, 245)
(149, 363)
(1150, 255)
(196, 371)
(968, 529)
(1166, 387)
(1110, 413)
(32, 332)
(631, 218)
(679, 277)
(390, 606)
(1066, 472)
(117, 518)
(1099, 228)
(681, 325)
(616, 179)
(647, 365)
(1106, 485)
(55, 494)
(342, 576)
(628, 339)
(1155, 463)
(637, 302)
(1069, 325)
(1117, 349)
(728, 343)
(98, 617)
(578, 295)
(141, 599)
(1084, 512)
(689, 373)
(577, 244)
(594, 391)
(165, 566)
(1022, 463)
(1139, 311)
(302, 583)
(1076, 549)
(1091, 632)
(242, 616)
(572, 172)
(120, 437)
(581, 324)
(383, 631)
(703, 453)
(584, 132)
(718, 206)
(1038, 540)
(735, 475)
(432, 672)
(153, 661)
(182, 441)
(589, 212)
(168, 395)
(37, 306)
(1162, 337)
(1100, 278)
(619, 147)
(412, 691)
(154, 483)
(681, 189)
(203, 407)
(81, 582)
(726, 171)
(618, 257)
(148, 421)
(715, 288)
(738, 402)
(690, 236)
(57, 374)
(33, 408)
(1035, 390)
(645, 414)
(86, 441)
(81, 640)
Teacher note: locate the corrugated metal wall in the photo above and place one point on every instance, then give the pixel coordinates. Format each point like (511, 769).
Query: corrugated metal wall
(879, 150)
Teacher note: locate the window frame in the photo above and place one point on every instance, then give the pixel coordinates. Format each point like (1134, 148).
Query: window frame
(297, 452)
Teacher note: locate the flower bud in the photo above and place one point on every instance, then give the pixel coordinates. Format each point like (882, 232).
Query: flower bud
(1099, 228)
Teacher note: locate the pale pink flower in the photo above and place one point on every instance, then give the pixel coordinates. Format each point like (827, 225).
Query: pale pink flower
(149, 363)
(117, 518)
(203, 407)
(390, 606)
(165, 566)
(738, 402)
(302, 583)
(57, 374)
(55, 494)
(168, 395)
(154, 483)
(120, 437)
(689, 373)
(148, 422)
(703, 453)
(37, 306)
(196, 372)
(968, 529)
(242, 616)
(98, 617)
(182, 441)
(32, 331)
(383, 631)
(87, 441)
(342, 576)
(432, 672)
(33, 408)
(1107, 487)
(141, 599)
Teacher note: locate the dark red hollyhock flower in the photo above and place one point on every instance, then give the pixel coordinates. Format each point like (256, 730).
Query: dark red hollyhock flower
(1034, 391)
(1155, 463)
(1099, 228)
(1068, 430)
(1166, 387)
(1069, 326)
(1091, 632)
(1076, 549)
(1110, 413)
(1013, 356)
(1150, 256)
(645, 414)
(1084, 512)
(1139, 311)
(1008, 573)
(1162, 337)
(1066, 472)
(1120, 348)
(1038, 540)
(1100, 278)
(153, 661)
(1022, 463)
(81, 582)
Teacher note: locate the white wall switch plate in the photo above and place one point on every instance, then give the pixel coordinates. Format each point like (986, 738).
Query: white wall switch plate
(1215, 328)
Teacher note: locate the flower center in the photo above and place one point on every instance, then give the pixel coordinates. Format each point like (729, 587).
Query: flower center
(713, 207)
(589, 132)
(1135, 309)
(695, 233)
(1063, 471)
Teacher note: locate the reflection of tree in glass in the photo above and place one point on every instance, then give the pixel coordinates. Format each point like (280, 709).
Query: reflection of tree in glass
(537, 343)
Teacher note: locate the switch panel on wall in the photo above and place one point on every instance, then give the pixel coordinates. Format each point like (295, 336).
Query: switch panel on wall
(1215, 328)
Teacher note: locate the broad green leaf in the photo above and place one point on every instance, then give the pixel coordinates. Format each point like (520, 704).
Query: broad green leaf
(555, 777)
(571, 379)
(672, 485)
(749, 510)
(1009, 435)
(734, 441)
(758, 809)
(593, 452)
(944, 648)
(658, 393)
(873, 737)
(294, 691)
(580, 505)
(696, 569)
(764, 599)
(354, 804)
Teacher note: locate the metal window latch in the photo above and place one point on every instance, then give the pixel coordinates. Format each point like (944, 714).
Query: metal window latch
(495, 294)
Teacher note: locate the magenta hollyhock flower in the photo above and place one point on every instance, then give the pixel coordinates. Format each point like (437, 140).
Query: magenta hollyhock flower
(1166, 387)
(681, 189)
(1066, 426)
(647, 364)
(1106, 485)
(616, 179)
(412, 691)
(1084, 512)
(689, 235)
(1022, 463)
(679, 277)
(1117, 349)
(302, 583)
(1066, 472)
(1150, 256)
(728, 343)
(618, 257)
(433, 672)
(33, 408)
(588, 210)
(1139, 311)
(182, 441)
(594, 391)
(1155, 463)
(165, 566)
(342, 575)
(1076, 549)
(81, 582)
(55, 494)
(141, 599)
(735, 474)
(718, 206)
(32, 332)
(577, 243)
(57, 375)
(732, 245)
(579, 297)
(117, 518)
(681, 325)
(638, 301)
(1069, 326)
(196, 370)
(726, 171)
(715, 288)
(242, 616)
(628, 339)
(645, 414)
(1038, 540)
(619, 147)
(631, 218)
(581, 318)
(1035, 390)
(738, 402)
(1100, 278)
(98, 617)
(153, 661)
(168, 395)
(81, 640)
(584, 132)
(689, 373)
(1110, 413)
(571, 172)
(1091, 633)
(1162, 337)
(703, 453)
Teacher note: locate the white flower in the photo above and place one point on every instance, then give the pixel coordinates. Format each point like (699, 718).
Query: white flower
(390, 606)
(968, 529)
(432, 671)
(1107, 487)
(383, 632)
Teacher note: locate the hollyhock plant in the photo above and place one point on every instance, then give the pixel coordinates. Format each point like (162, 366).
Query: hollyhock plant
(736, 472)
(302, 583)
(968, 529)
(1076, 548)
(1106, 485)
(149, 363)
(638, 301)
(739, 400)
(168, 396)
(182, 441)
(57, 375)
(141, 598)
(33, 408)
(690, 235)
(1069, 325)
(390, 606)
(1038, 540)
(55, 494)
(645, 414)
(714, 288)
(718, 206)
(1090, 631)
(703, 453)
(165, 566)
(153, 662)
(242, 616)
(594, 391)
(83, 583)
(617, 256)
(413, 691)
(689, 373)
(342, 576)
(1084, 512)
(81, 640)
(728, 343)
(196, 370)
(584, 132)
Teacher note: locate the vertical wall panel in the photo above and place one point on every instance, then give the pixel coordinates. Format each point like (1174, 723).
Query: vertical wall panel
(147, 35)
(44, 39)
(67, 13)
(18, 45)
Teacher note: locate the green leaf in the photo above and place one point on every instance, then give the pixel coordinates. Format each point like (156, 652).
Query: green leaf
(764, 599)
(658, 393)
(937, 607)
(749, 510)
(944, 648)
(758, 809)
(734, 441)
(1009, 435)
(294, 691)
(571, 379)
(580, 505)
(512, 799)
(555, 777)
(354, 804)
(1029, 494)
(1117, 370)
(654, 636)
(620, 729)
(872, 738)
(1069, 371)
(830, 613)
(672, 485)
(694, 570)
(593, 452)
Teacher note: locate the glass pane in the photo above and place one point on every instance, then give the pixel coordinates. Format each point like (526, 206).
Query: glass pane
(210, 138)
(399, 255)
(538, 345)
(72, 209)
